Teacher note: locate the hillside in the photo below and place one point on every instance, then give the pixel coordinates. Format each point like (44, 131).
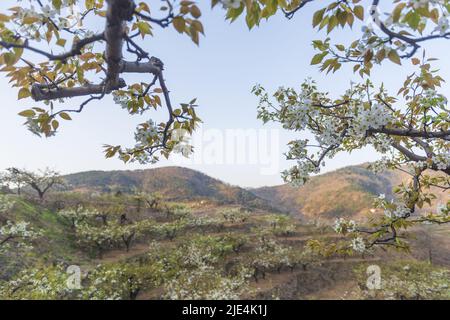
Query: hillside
(173, 183)
(192, 249)
(212, 253)
(345, 192)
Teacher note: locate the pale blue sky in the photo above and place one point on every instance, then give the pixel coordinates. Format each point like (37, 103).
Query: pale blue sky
(220, 73)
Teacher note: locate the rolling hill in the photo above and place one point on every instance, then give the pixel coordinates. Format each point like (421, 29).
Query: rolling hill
(173, 183)
(347, 192)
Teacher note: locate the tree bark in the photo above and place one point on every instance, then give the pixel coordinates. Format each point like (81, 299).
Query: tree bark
(117, 13)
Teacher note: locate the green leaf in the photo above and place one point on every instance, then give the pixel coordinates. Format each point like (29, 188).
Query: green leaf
(55, 124)
(24, 93)
(61, 42)
(195, 12)
(317, 18)
(359, 12)
(65, 116)
(318, 58)
(340, 47)
(144, 27)
(179, 24)
(90, 4)
(393, 56)
(27, 113)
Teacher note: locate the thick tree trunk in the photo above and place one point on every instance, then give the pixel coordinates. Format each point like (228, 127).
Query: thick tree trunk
(117, 13)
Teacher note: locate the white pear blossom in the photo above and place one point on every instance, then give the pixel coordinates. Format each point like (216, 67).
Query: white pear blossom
(342, 226)
(442, 26)
(6, 203)
(367, 30)
(121, 100)
(374, 117)
(146, 133)
(380, 165)
(400, 211)
(442, 209)
(299, 174)
(16, 234)
(358, 244)
(420, 165)
(185, 149)
(442, 161)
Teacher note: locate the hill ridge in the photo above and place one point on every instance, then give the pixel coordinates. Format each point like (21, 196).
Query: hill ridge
(172, 182)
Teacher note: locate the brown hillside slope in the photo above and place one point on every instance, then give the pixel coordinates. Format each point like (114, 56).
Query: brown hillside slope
(347, 192)
(173, 183)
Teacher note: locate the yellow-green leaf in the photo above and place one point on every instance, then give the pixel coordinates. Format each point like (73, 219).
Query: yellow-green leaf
(393, 56)
(27, 113)
(317, 18)
(179, 24)
(24, 93)
(318, 58)
(65, 116)
(359, 12)
(195, 12)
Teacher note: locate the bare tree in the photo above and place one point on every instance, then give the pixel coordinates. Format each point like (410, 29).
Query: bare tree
(40, 182)
(13, 180)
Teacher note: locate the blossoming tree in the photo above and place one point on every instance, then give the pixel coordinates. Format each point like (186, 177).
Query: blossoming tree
(14, 235)
(410, 128)
(41, 182)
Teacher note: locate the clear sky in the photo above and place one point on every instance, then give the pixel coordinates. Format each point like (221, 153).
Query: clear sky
(220, 73)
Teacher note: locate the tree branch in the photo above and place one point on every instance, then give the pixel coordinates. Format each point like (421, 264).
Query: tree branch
(76, 47)
(43, 92)
(413, 133)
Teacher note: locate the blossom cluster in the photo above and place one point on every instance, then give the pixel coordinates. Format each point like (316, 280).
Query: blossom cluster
(299, 174)
(271, 255)
(120, 99)
(207, 283)
(79, 214)
(6, 203)
(365, 118)
(358, 244)
(344, 226)
(235, 215)
(17, 234)
(442, 161)
(392, 209)
(332, 124)
(38, 283)
(411, 280)
(146, 133)
(70, 18)
(443, 209)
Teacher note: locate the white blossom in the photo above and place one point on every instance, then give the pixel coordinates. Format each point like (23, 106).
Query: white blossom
(442, 26)
(358, 244)
(341, 225)
(442, 161)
